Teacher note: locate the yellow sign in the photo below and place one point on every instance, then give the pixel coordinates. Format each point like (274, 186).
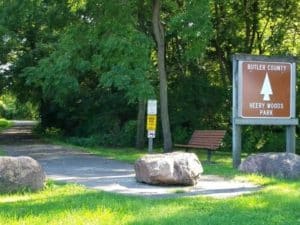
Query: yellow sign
(151, 122)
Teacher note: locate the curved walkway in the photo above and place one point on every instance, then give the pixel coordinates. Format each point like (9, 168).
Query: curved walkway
(69, 165)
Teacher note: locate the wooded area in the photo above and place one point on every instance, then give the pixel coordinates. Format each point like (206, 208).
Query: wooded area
(87, 67)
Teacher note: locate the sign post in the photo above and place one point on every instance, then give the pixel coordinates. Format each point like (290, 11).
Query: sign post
(151, 122)
(264, 93)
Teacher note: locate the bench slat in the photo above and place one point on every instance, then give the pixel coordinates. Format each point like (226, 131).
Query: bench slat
(205, 139)
(210, 131)
(197, 146)
(199, 142)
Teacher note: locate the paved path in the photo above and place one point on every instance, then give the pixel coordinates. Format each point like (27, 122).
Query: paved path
(69, 165)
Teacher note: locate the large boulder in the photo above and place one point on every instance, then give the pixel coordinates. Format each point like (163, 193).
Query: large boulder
(20, 173)
(177, 168)
(281, 165)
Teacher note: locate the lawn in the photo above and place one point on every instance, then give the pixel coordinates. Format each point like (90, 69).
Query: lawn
(4, 124)
(278, 203)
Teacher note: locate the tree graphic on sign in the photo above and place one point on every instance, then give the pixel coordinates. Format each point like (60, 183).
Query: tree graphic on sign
(266, 89)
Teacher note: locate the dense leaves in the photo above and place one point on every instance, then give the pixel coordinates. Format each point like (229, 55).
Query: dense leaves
(89, 65)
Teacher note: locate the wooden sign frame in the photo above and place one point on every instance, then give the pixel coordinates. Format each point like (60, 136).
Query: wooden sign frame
(239, 119)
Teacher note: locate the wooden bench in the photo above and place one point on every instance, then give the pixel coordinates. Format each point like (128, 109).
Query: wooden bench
(209, 140)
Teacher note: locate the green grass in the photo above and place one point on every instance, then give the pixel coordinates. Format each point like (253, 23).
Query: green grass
(2, 152)
(277, 204)
(4, 124)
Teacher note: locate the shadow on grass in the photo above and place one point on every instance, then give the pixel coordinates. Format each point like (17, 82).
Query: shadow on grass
(268, 207)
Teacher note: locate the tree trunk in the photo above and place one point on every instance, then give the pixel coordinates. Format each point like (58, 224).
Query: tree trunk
(140, 139)
(160, 41)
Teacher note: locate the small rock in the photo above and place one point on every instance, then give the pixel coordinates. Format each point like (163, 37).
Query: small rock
(177, 168)
(281, 165)
(19, 173)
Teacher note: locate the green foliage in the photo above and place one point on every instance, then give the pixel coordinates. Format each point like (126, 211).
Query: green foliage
(53, 132)
(4, 123)
(196, 104)
(263, 139)
(11, 108)
(132, 72)
(120, 137)
(181, 134)
(191, 27)
(95, 69)
(127, 134)
(86, 63)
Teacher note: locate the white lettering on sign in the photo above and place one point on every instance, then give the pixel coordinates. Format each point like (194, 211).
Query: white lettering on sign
(266, 112)
(265, 109)
(261, 105)
(277, 68)
(269, 67)
(256, 105)
(256, 66)
(275, 105)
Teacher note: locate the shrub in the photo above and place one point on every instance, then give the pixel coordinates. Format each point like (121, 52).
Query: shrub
(263, 139)
(53, 132)
(127, 135)
(11, 108)
(181, 135)
(4, 123)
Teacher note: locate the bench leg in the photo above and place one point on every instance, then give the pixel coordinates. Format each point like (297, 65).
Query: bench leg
(209, 154)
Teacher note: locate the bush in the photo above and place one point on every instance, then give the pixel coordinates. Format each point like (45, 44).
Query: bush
(263, 139)
(11, 108)
(4, 123)
(181, 135)
(124, 137)
(127, 135)
(53, 132)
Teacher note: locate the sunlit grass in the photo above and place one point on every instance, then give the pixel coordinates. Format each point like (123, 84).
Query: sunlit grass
(277, 203)
(4, 124)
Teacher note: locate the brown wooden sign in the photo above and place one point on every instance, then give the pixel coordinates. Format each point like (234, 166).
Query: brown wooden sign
(265, 90)
(263, 93)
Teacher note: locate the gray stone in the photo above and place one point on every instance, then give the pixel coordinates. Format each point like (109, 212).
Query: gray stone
(20, 173)
(177, 168)
(281, 165)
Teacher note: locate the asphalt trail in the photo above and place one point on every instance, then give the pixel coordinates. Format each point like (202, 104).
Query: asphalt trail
(69, 165)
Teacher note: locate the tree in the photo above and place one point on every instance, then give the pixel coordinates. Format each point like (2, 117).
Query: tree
(102, 53)
(140, 130)
(254, 27)
(160, 42)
